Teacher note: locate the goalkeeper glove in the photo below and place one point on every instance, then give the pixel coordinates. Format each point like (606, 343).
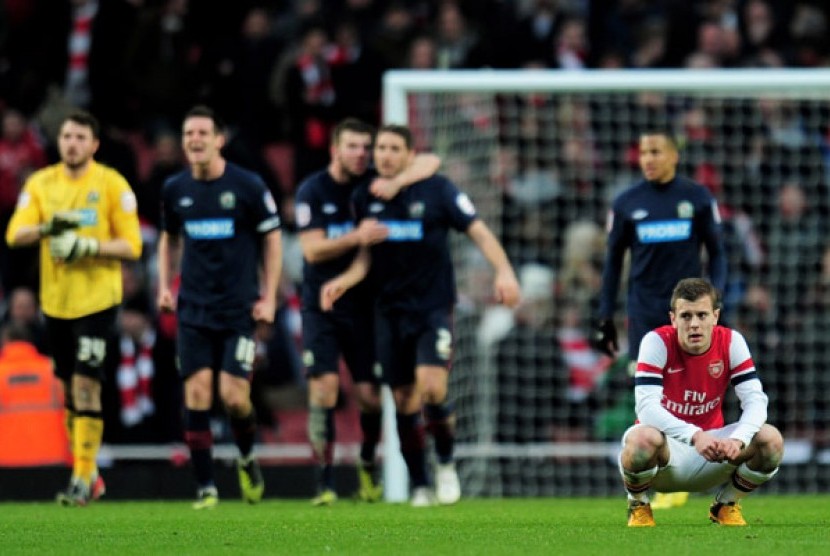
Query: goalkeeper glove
(59, 223)
(604, 337)
(69, 247)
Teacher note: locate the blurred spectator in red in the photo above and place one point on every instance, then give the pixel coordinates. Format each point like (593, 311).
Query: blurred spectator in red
(21, 153)
(311, 101)
(570, 47)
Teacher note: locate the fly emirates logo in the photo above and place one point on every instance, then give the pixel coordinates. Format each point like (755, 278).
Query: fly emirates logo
(694, 403)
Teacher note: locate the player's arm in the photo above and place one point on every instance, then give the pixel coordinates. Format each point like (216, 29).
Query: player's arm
(317, 247)
(648, 393)
(26, 226)
(604, 334)
(169, 258)
(713, 240)
(122, 216)
(334, 289)
(266, 306)
(423, 166)
(506, 287)
(750, 392)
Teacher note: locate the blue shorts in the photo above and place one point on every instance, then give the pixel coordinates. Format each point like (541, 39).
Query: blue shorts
(230, 350)
(328, 335)
(408, 340)
(79, 346)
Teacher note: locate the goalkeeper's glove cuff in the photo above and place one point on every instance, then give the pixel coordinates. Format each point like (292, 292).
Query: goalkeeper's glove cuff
(59, 223)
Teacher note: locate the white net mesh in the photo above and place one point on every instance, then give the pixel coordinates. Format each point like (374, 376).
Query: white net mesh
(538, 411)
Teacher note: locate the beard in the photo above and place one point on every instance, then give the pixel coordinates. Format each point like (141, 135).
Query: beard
(75, 162)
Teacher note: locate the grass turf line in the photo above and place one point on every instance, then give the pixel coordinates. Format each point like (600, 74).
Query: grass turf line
(777, 525)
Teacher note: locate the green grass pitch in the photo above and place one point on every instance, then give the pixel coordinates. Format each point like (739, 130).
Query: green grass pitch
(792, 525)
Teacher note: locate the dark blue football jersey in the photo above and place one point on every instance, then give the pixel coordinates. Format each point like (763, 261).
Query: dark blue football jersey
(322, 203)
(412, 270)
(664, 226)
(222, 223)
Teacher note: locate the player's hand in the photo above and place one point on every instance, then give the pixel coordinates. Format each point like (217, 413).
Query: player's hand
(384, 188)
(604, 337)
(730, 448)
(59, 223)
(506, 289)
(264, 310)
(707, 446)
(370, 232)
(69, 247)
(166, 301)
(331, 292)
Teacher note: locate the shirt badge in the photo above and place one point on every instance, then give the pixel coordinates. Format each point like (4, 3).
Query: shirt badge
(416, 210)
(93, 197)
(716, 369)
(227, 200)
(685, 209)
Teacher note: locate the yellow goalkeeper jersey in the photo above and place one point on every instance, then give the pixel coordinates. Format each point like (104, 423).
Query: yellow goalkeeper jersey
(107, 208)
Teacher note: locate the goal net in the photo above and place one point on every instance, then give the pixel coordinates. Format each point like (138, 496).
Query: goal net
(542, 154)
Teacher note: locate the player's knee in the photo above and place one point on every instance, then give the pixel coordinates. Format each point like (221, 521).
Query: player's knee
(368, 402)
(323, 390)
(643, 443)
(770, 444)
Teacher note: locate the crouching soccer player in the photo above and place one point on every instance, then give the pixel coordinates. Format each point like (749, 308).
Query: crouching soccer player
(680, 442)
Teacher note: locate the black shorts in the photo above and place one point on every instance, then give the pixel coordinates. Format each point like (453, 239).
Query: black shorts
(328, 335)
(231, 350)
(408, 340)
(80, 345)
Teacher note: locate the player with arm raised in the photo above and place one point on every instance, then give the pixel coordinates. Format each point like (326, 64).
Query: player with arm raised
(414, 283)
(329, 240)
(680, 442)
(221, 222)
(664, 221)
(83, 215)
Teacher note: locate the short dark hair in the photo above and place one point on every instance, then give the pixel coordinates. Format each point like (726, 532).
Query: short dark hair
(350, 124)
(663, 132)
(400, 130)
(204, 111)
(85, 119)
(692, 289)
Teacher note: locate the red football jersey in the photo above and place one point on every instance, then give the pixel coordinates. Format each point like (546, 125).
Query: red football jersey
(694, 386)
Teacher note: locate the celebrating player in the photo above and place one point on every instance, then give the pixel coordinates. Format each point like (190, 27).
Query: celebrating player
(663, 220)
(414, 283)
(84, 216)
(229, 223)
(680, 442)
(329, 241)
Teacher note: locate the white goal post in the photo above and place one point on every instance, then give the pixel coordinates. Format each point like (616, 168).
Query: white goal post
(542, 153)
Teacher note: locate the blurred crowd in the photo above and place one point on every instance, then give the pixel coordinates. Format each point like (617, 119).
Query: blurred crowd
(283, 72)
